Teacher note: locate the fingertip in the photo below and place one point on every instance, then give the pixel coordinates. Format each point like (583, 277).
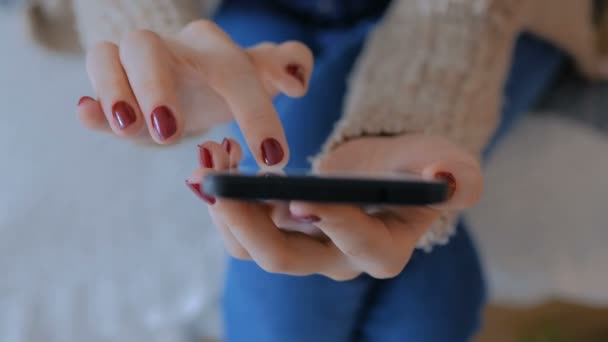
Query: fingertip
(227, 145)
(289, 79)
(113, 89)
(302, 53)
(300, 209)
(273, 153)
(164, 125)
(196, 184)
(125, 120)
(91, 115)
(449, 180)
(298, 66)
(296, 71)
(85, 100)
(235, 153)
(325, 211)
(212, 155)
(254, 112)
(197, 189)
(465, 184)
(295, 83)
(198, 175)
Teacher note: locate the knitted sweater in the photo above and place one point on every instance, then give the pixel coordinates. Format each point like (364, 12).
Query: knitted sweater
(431, 66)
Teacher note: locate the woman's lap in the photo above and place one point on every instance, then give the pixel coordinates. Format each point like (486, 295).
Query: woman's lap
(268, 307)
(439, 296)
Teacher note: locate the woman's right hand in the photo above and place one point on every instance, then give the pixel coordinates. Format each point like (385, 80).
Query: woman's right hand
(162, 88)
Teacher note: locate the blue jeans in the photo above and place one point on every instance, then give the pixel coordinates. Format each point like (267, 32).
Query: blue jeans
(440, 295)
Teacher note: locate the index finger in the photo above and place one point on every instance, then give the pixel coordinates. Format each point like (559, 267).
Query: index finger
(232, 74)
(257, 118)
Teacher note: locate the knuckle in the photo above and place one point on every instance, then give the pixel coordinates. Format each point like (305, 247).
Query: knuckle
(238, 253)
(139, 38)
(235, 72)
(277, 263)
(359, 249)
(202, 26)
(101, 47)
(98, 52)
(388, 270)
(259, 53)
(153, 88)
(298, 49)
(344, 276)
(256, 116)
(385, 272)
(265, 47)
(235, 147)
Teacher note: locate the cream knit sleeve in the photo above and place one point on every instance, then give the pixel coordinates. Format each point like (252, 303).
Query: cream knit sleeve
(110, 19)
(435, 67)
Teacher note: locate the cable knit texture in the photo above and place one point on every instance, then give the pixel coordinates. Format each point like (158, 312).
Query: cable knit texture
(110, 19)
(431, 88)
(431, 66)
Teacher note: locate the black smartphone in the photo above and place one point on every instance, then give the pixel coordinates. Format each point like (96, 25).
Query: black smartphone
(339, 188)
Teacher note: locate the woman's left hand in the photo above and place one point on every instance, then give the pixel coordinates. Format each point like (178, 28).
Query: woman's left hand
(341, 241)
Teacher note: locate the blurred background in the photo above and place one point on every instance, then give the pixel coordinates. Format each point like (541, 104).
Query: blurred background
(93, 247)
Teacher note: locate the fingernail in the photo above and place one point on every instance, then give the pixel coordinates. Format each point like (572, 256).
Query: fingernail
(204, 157)
(124, 114)
(272, 152)
(164, 122)
(226, 145)
(296, 71)
(85, 99)
(307, 219)
(198, 191)
(448, 178)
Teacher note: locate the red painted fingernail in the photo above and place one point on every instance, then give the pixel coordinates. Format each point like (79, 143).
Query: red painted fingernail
(307, 219)
(124, 114)
(85, 99)
(296, 71)
(198, 191)
(226, 145)
(272, 152)
(164, 122)
(448, 178)
(204, 157)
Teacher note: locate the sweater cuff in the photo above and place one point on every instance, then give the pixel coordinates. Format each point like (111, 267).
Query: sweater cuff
(439, 233)
(110, 20)
(435, 67)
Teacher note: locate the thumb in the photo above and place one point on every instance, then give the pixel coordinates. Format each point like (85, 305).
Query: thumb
(359, 155)
(284, 68)
(431, 157)
(464, 180)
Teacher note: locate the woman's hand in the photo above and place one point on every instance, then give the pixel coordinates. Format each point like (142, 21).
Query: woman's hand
(341, 241)
(162, 88)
